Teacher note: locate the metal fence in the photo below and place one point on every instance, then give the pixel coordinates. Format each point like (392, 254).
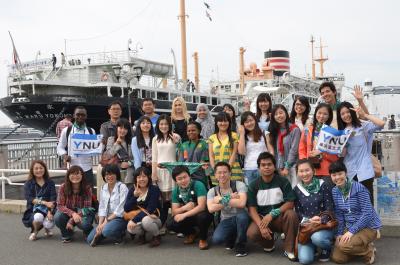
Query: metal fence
(19, 154)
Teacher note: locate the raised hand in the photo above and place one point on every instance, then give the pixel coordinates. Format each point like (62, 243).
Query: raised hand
(358, 93)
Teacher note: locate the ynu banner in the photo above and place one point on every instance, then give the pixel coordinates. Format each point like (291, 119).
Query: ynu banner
(86, 144)
(331, 140)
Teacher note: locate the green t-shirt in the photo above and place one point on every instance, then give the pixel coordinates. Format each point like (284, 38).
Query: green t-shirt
(196, 189)
(268, 196)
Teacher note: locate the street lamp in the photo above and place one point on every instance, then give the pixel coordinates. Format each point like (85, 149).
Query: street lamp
(128, 72)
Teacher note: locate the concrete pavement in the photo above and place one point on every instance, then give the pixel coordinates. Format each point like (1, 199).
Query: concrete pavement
(16, 249)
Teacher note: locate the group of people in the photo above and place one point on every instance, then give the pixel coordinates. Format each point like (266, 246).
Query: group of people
(256, 177)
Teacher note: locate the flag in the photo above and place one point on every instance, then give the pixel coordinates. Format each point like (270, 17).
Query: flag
(207, 5)
(331, 140)
(16, 60)
(208, 15)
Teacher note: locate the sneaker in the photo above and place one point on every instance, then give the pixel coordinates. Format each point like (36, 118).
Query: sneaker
(32, 237)
(325, 255)
(163, 231)
(203, 244)
(269, 250)
(180, 235)
(48, 232)
(189, 239)
(95, 240)
(171, 232)
(229, 245)
(290, 256)
(156, 241)
(66, 240)
(241, 252)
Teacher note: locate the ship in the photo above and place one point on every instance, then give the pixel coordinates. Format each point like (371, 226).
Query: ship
(39, 95)
(274, 77)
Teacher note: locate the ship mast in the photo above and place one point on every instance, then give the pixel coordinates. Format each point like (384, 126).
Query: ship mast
(241, 69)
(312, 58)
(196, 71)
(182, 18)
(321, 60)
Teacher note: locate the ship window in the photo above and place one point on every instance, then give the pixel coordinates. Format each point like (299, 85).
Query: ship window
(162, 95)
(214, 101)
(188, 98)
(116, 91)
(195, 99)
(149, 94)
(203, 100)
(172, 96)
(237, 85)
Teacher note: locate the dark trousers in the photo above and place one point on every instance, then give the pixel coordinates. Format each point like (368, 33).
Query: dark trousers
(164, 211)
(201, 220)
(369, 184)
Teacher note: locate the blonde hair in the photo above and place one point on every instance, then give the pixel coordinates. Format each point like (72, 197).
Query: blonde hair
(184, 109)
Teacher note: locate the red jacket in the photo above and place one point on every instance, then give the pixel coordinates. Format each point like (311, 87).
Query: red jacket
(306, 145)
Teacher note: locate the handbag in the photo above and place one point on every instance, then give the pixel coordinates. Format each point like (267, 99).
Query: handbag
(328, 222)
(109, 160)
(316, 161)
(132, 214)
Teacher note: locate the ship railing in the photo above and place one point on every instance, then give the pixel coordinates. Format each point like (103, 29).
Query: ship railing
(9, 181)
(19, 154)
(75, 60)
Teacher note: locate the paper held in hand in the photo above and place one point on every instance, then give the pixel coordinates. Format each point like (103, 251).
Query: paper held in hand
(331, 140)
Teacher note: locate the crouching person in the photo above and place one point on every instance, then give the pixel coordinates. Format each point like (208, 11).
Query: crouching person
(270, 202)
(229, 198)
(189, 208)
(112, 199)
(74, 205)
(358, 222)
(142, 208)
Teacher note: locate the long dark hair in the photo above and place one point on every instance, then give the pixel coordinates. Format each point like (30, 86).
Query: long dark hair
(124, 123)
(263, 97)
(146, 171)
(68, 184)
(43, 164)
(222, 116)
(355, 121)
(141, 142)
(274, 125)
(303, 100)
(257, 133)
(330, 113)
(160, 135)
(233, 118)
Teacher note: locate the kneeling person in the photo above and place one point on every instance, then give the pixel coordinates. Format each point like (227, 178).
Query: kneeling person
(271, 202)
(229, 198)
(189, 207)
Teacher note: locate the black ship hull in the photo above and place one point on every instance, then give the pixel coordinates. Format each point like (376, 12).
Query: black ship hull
(43, 112)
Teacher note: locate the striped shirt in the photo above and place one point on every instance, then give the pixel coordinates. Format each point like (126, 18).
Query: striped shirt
(267, 196)
(356, 212)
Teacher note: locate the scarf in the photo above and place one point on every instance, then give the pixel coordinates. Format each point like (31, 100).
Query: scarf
(281, 135)
(313, 187)
(345, 190)
(185, 193)
(336, 105)
(207, 124)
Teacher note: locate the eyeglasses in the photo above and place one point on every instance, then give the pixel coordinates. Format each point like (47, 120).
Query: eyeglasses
(80, 114)
(115, 109)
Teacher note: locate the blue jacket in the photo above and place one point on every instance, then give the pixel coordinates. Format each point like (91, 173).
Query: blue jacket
(356, 212)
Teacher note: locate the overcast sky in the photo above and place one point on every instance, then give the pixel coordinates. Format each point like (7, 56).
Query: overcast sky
(363, 37)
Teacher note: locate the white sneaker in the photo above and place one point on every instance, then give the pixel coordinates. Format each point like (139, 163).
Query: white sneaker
(32, 237)
(269, 250)
(290, 256)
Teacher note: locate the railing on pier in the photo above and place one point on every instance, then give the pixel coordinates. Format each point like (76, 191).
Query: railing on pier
(19, 154)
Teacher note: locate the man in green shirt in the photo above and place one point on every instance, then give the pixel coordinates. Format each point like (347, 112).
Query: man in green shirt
(270, 203)
(189, 207)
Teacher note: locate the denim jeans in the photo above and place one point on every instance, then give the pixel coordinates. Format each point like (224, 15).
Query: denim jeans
(113, 229)
(61, 220)
(250, 175)
(321, 239)
(232, 230)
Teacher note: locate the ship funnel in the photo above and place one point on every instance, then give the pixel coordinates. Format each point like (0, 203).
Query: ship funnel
(368, 85)
(278, 60)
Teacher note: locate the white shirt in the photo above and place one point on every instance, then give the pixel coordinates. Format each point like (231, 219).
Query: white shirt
(113, 203)
(253, 150)
(85, 162)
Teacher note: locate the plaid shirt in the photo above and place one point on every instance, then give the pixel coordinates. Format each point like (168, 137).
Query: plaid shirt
(70, 204)
(61, 125)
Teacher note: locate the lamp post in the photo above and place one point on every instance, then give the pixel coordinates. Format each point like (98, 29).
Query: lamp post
(128, 72)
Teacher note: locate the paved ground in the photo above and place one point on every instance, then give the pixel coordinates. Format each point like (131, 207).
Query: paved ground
(15, 249)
